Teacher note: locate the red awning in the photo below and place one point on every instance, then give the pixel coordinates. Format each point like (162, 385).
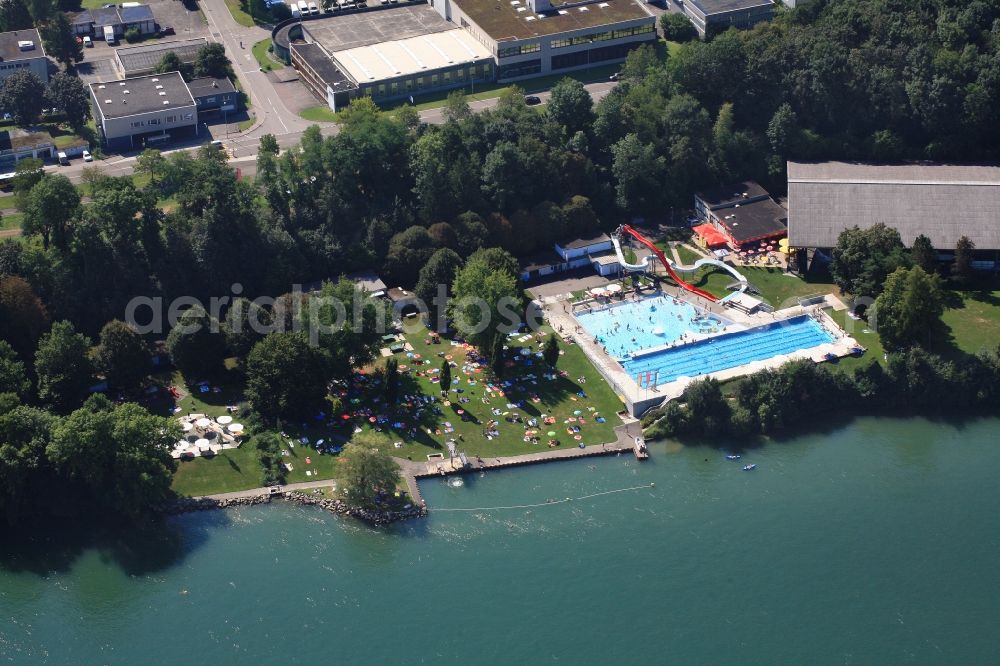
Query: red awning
(712, 236)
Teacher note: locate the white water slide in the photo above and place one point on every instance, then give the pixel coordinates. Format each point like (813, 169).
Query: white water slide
(671, 267)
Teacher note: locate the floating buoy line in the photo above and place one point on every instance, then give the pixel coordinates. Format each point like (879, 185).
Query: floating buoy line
(553, 502)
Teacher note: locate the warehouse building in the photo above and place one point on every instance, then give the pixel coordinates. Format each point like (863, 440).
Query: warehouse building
(715, 16)
(398, 52)
(536, 37)
(941, 201)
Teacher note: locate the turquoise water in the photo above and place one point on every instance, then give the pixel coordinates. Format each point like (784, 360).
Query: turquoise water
(872, 544)
(730, 350)
(651, 322)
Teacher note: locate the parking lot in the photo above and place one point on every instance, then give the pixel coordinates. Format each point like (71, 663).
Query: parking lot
(185, 18)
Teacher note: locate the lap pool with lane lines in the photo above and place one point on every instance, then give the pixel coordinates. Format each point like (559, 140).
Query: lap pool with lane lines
(730, 350)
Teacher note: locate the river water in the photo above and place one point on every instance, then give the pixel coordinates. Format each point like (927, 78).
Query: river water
(875, 543)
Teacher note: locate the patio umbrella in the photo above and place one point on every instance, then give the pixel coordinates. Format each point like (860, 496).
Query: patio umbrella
(598, 291)
(203, 423)
(225, 420)
(235, 428)
(187, 426)
(614, 288)
(202, 443)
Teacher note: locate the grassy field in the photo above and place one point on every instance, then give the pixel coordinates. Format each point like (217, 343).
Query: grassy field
(319, 114)
(974, 320)
(416, 436)
(687, 256)
(11, 221)
(266, 62)
(239, 14)
(231, 470)
(530, 391)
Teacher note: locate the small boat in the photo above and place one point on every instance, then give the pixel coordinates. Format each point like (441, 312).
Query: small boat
(747, 468)
(733, 456)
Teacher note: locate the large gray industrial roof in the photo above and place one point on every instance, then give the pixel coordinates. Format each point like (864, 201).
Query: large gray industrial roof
(941, 201)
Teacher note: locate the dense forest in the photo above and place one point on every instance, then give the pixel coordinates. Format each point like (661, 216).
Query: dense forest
(855, 79)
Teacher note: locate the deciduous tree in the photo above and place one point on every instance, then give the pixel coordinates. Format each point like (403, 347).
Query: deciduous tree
(63, 366)
(369, 475)
(23, 96)
(60, 40)
(122, 356)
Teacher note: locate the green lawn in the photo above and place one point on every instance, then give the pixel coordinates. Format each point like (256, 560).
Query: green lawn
(557, 398)
(239, 14)
(319, 114)
(231, 470)
(7, 201)
(687, 256)
(11, 221)
(974, 322)
(264, 59)
(239, 469)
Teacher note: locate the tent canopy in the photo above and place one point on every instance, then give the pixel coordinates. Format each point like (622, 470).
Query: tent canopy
(712, 236)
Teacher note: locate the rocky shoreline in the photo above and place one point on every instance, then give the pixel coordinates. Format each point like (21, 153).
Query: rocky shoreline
(189, 504)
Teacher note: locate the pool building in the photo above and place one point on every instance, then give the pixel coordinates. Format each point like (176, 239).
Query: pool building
(650, 348)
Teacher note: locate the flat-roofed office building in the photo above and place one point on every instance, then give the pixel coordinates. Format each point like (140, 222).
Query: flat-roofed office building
(401, 51)
(537, 37)
(148, 110)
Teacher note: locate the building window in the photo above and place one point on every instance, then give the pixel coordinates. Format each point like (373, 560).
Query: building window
(521, 49)
(460, 74)
(188, 116)
(420, 82)
(394, 87)
(154, 121)
(381, 90)
(171, 119)
(446, 76)
(516, 69)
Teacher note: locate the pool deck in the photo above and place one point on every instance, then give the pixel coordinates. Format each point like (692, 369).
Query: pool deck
(638, 399)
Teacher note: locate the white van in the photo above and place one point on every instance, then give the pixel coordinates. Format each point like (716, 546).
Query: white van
(303, 8)
(294, 6)
(63, 159)
(313, 9)
(87, 41)
(109, 35)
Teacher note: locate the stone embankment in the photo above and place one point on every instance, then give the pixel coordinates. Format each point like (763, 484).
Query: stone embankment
(374, 517)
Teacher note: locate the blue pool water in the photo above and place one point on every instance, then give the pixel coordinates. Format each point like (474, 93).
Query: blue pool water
(651, 322)
(731, 349)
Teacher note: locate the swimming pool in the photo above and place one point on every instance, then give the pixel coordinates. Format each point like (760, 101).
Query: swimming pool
(652, 322)
(730, 350)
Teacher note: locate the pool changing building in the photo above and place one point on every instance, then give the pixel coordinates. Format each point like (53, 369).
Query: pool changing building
(396, 52)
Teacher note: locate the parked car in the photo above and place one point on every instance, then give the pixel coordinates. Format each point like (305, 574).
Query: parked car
(88, 42)
(63, 159)
(216, 144)
(531, 100)
(166, 31)
(87, 157)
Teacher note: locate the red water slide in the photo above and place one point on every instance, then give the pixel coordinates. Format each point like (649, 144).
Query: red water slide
(666, 264)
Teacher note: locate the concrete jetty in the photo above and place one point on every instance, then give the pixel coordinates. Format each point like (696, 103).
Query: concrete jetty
(625, 442)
